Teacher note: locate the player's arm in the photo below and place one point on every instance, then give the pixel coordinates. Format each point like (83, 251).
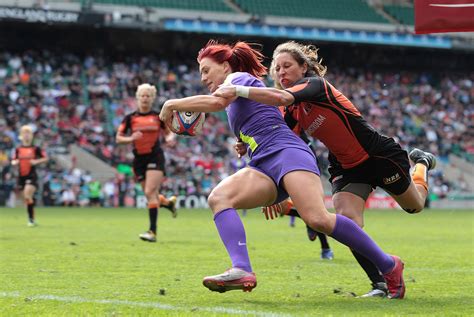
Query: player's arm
(43, 158)
(169, 136)
(306, 89)
(268, 96)
(121, 137)
(15, 160)
(200, 103)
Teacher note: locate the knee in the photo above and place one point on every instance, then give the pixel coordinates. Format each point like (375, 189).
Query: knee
(218, 200)
(414, 208)
(352, 214)
(150, 193)
(320, 224)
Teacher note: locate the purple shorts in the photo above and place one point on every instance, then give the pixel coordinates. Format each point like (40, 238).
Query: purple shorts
(276, 164)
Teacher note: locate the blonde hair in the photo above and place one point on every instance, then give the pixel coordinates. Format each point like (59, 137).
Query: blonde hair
(26, 128)
(301, 54)
(23, 129)
(147, 86)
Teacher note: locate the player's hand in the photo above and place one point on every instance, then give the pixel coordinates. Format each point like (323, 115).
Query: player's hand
(170, 139)
(273, 211)
(225, 91)
(240, 148)
(166, 114)
(137, 135)
(15, 162)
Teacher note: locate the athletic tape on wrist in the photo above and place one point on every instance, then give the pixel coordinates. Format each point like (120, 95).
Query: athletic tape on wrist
(242, 91)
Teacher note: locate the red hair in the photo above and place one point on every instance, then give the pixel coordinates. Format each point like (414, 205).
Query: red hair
(241, 57)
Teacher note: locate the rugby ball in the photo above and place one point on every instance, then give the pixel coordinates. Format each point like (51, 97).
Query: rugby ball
(188, 123)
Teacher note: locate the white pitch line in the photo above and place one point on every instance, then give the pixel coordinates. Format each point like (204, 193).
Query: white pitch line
(155, 305)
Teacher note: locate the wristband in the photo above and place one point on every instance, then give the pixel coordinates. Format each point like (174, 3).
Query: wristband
(242, 91)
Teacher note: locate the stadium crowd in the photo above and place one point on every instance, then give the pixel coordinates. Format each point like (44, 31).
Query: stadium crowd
(69, 99)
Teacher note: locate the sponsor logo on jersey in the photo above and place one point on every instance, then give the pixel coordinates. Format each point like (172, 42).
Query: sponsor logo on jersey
(315, 124)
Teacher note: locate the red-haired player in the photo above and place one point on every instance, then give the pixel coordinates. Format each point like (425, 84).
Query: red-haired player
(360, 157)
(281, 165)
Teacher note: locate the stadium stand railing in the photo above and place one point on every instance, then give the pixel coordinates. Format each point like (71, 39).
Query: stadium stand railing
(405, 15)
(348, 10)
(199, 5)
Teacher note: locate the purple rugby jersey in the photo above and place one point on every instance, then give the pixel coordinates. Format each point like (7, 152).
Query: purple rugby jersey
(260, 126)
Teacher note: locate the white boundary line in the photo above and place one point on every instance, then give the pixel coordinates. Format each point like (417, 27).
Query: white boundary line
(156, 305)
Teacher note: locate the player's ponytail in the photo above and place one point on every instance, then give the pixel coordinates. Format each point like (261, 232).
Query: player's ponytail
(244, 58)
(241, 57)
(313, 60)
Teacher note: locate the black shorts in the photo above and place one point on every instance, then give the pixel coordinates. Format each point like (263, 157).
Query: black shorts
(31, 179)
(143, 163)
(389, 169)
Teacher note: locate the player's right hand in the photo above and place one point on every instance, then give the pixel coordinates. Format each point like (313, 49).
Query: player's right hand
(240, 148)
(225, 91)
(273, 211)
(137, 135)
(15, 162)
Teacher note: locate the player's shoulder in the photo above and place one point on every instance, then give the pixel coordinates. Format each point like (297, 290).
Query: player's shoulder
(243, 78)
(307, 84)
(311, 80)
(130, 115)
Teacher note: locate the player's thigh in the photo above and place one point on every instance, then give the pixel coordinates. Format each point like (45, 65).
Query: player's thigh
(246, 189)
(29, 191)
(306, 191)
(153, 181)
(350, 205)
(410, 200)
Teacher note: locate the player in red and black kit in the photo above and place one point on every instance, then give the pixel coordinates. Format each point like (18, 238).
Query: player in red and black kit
(149, 163)
(360, 157)
(27, 157)
(287, 206)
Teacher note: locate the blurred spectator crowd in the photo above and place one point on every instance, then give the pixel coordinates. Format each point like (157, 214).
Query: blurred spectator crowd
(68, 99)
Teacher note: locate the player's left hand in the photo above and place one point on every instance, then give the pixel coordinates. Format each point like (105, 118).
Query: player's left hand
(166, 114)
(170, 139)
(272, 212)
(225, 91)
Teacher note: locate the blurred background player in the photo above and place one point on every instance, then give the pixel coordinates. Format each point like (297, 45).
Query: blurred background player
(360, 157)
(281, 165)
(27, 156)
(149, 163)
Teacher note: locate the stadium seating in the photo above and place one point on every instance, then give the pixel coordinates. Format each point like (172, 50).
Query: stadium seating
(346, 10)
(204, 5)
(404, 15)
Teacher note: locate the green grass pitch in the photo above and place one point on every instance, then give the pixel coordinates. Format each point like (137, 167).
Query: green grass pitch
(90, 262)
